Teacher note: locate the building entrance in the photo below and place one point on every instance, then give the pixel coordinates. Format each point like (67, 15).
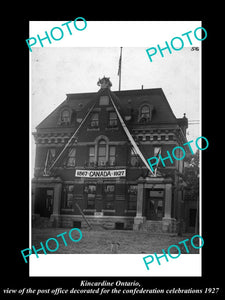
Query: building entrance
(154, 204)
(44, 201)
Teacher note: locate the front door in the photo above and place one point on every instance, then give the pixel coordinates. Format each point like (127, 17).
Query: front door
(155, 205)
(44, 201)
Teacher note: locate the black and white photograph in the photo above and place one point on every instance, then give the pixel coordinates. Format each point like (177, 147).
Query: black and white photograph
(117, 161)
(98, 114)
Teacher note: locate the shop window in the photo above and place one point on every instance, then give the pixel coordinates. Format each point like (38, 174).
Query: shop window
(109, 192)
(132, 197)
(112, 155)
(71, 158)
(134, 160)
(102, 153)
(68, 196)
(112, 119)
(95, 120)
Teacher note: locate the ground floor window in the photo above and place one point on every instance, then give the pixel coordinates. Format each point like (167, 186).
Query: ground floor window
(68, 196)
(132, 197)
(90, 191)
(109, 196)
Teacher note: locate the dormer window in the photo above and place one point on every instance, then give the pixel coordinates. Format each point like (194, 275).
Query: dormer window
(145, 113)
(65, 116)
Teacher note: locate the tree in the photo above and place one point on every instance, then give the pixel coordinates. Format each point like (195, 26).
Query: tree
(191, 175)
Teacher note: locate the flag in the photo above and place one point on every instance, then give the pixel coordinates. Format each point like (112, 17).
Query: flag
(119, 69)
(159, 152)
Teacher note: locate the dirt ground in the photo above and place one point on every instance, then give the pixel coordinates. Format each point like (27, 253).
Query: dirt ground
(110, 241)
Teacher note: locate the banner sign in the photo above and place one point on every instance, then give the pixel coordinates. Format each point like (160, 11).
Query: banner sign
(100, 173)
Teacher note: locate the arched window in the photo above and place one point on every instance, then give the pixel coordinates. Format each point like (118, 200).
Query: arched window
(65, 116)
(101, 153)
(145, 113)
(101, 159)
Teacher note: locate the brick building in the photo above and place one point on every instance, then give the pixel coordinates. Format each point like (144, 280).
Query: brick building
(87, 168)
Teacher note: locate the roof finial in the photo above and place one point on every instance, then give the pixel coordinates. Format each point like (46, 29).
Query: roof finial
(104, 83)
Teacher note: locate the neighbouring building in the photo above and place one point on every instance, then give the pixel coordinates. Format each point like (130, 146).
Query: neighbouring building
(87, 170)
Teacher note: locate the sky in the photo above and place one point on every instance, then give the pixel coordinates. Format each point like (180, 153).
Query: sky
(58, 71)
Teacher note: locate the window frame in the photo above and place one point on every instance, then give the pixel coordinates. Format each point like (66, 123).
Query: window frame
(132, 197)
(68, 193)
(102, 159)
(102, 153)
(109, 197)
(94, 120)
(71, 157)
(112, 158)
(91, 156)
(145, 116)
(112, 119)
(88, 193)
(65, 120)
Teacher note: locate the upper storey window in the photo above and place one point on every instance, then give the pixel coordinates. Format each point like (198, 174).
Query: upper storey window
(95, 120)
(65, 117)
(145, 113)
(104, 100)
(112, 119)
(102, 153)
